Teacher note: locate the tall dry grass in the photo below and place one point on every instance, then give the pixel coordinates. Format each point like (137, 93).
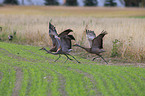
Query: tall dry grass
(33, 29)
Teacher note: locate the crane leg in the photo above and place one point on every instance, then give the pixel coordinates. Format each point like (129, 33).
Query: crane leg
(57, 58)
(67, 58)
(94, 58)
(103, 59)
(75, 58)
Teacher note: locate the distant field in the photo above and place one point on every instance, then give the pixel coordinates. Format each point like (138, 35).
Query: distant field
(73, 11)
(123, 24)
(27, 71)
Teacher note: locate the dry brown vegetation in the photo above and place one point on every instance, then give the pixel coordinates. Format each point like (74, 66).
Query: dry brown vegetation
(31, 25)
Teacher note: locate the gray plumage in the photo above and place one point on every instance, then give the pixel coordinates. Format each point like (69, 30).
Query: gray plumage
(63, 35)
(52, 34)
(97, 45)
(61, 42)
(90, 36)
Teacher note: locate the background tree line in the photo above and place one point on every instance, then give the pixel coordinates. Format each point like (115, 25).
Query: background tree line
(86, 2)
(55, 2)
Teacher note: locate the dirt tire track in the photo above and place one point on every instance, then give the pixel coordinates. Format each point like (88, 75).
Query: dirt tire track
(13, 56)
(19, 58)
(91, 77)
(49, 80)
(19, 77)
(39, 55)
(1, 76)
(62, 84)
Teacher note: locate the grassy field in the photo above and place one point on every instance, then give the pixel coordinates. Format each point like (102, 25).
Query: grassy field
(126, 25)
(28, 71)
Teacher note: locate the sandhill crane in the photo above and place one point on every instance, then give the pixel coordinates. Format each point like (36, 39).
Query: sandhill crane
(53, 33)
(10, 37)
(61, 43)
(97, 45)
(62, 48)
(0, 29)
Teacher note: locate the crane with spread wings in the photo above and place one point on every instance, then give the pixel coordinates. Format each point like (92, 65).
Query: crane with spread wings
(61, 43)
(96, 43)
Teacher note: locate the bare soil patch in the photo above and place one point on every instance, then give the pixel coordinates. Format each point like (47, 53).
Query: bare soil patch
(1, 76)
(62, 85)
(88, 76)
(19, 77)
(5, 52)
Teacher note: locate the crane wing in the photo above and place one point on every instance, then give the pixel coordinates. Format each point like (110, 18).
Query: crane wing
(90, 36)
(66, 42)
(52, 34)
(65, 32)
(98, 41)
(66, 39)
(71, 37)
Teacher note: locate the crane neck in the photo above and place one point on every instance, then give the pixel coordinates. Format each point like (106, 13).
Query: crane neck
(55, 53)
(47, 51)
(87, 49)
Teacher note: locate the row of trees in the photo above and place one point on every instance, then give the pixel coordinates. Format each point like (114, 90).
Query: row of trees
(10, 2)
(86, 2)
(55, 2)
(133, 3)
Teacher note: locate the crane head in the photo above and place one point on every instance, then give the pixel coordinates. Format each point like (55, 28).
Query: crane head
(42, 48)
(76, 44)
(52, 29)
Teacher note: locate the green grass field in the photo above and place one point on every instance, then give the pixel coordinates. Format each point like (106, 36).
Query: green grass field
(27, 71)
